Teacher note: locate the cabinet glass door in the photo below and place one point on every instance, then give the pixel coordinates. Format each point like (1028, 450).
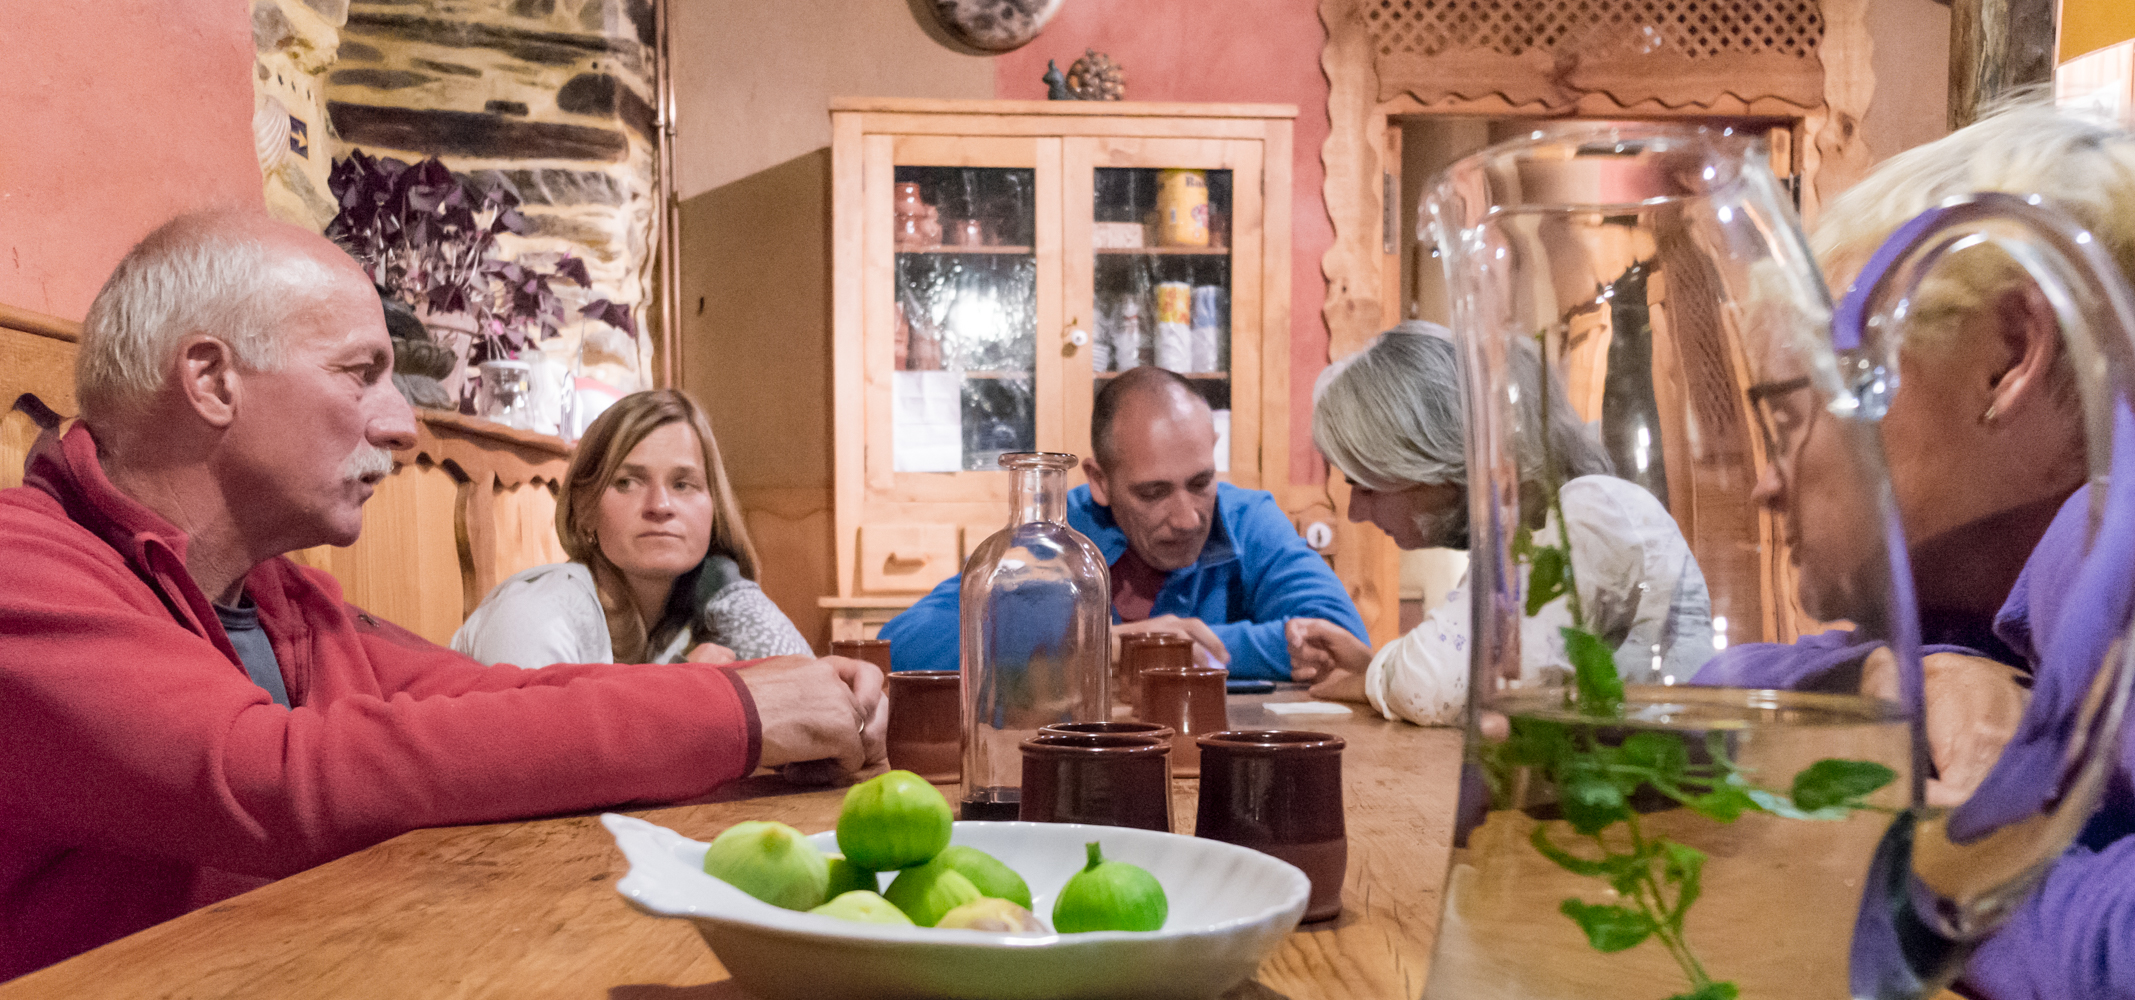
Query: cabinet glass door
(957, 301)
(966, 302)
(1164, 268)
(1161, 279)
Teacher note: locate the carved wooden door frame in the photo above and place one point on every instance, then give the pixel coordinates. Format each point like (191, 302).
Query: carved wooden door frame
(1564, 72)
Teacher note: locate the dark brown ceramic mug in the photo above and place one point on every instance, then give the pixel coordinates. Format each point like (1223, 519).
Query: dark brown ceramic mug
(875, 651)
(1139, 651)
(1280, 793)
(1149, 729)
(926, 725)
(1107, 779)
(1189, 700)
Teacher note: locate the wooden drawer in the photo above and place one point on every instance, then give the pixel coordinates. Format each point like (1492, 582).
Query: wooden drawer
(907, 558)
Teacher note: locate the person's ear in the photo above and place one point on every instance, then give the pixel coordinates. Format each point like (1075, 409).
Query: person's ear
(1096, 475)
(2031, 342)
(208, 379)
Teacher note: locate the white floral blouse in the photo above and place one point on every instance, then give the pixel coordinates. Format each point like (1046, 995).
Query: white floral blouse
(1639, 585)
(552, 614)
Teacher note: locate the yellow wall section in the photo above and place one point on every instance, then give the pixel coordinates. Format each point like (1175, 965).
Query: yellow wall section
(2090, 25)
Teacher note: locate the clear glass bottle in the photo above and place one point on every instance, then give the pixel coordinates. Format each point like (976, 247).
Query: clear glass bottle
(1036, 600)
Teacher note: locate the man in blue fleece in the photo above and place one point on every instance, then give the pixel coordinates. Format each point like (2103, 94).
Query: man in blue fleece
(1189, 555)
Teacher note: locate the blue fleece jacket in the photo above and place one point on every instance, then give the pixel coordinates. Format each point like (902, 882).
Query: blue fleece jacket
(1254, 574)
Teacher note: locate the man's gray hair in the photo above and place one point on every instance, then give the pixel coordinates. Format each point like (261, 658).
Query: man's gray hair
(1391, 415)
(200, 273)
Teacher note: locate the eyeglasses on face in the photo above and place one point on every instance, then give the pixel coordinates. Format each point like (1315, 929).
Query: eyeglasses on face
(1784, 415)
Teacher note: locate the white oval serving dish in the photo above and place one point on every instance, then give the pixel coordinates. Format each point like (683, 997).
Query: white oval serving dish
(1230, 907)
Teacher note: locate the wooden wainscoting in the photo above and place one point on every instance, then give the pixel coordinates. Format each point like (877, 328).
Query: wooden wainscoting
(472, 503)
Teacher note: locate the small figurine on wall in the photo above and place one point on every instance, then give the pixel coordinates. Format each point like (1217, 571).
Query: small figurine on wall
(1095, 77)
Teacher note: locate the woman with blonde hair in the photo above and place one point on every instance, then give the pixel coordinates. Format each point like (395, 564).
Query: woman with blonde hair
(661, 565)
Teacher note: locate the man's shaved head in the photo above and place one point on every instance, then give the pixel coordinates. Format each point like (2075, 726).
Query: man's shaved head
(1147, 389)
(1154, 464)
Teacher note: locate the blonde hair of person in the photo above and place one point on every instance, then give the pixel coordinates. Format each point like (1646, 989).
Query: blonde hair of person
(594, 464)
(2083, 163)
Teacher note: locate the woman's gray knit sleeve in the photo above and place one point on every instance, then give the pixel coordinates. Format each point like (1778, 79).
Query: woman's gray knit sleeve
(741, 618)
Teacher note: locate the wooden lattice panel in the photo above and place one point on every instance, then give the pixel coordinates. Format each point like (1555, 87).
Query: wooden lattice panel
(1674, 51)
(1698, 29)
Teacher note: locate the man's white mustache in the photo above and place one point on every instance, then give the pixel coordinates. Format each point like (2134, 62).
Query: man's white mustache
(367, 462)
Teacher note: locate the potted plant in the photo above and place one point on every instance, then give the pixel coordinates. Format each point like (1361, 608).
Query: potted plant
(430, 238)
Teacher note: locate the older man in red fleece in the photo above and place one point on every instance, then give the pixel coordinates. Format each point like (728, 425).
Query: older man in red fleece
(185, 714)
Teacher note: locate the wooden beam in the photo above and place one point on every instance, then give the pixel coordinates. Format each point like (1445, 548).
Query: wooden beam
(1996, 47)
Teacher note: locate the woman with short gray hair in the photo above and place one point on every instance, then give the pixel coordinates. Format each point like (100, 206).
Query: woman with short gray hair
(1391, 418)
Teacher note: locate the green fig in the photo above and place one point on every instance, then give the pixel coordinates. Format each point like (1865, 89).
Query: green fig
(987, 873)
(1110, 896)
(848, 877)
(927, 892)
(991, 914)
(863, 906)
(893, 821)
(772, 862)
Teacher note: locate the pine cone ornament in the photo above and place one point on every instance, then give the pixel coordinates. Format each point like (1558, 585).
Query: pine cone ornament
(1095, 77)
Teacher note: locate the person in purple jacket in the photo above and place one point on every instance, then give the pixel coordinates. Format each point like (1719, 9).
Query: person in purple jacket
(1986, 451)
(2075, 939)
(1984, 385)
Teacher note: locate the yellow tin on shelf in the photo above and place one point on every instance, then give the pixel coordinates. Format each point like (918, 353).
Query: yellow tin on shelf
(1174, 302)
(1182, 208)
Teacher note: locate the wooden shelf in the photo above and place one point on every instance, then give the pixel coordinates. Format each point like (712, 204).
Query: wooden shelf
(478, 427)
(1100, 110)
(947, 249)
(977, 374)
(874, 601)
(1163, 251)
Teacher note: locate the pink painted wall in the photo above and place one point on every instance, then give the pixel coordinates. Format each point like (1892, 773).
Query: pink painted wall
(1237, 51)
(118, 115)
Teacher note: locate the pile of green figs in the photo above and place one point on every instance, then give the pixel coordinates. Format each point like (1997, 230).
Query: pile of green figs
(899, 823)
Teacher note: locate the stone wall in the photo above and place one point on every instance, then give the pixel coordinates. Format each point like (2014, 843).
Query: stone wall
(294, 42)
(555, 95)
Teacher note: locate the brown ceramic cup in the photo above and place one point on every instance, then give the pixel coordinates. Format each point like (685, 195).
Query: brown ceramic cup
(1139, 651)
(1149, 729)
(926, 724)
(1280, 793)
(1191, 701)
(1106, 779)
(875, 651)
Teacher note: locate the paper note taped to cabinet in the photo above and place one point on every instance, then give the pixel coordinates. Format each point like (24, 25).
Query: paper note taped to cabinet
(927, 421)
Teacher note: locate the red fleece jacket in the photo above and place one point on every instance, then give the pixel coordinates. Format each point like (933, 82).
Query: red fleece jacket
(143, 774)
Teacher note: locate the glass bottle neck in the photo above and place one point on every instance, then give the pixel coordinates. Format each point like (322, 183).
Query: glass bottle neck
(1037, 495)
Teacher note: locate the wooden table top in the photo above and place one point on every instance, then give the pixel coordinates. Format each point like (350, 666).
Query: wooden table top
(529, 909)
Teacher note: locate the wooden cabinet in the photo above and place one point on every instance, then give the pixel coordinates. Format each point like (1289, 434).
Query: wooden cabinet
(993, 263)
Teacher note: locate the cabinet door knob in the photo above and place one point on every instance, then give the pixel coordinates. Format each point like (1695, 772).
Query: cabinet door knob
(1319, 535)
(1078, 336)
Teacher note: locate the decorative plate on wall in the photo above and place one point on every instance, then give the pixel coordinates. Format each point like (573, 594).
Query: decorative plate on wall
(995, 25)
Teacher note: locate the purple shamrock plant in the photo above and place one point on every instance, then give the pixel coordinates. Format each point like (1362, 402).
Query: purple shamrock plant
(430, 237)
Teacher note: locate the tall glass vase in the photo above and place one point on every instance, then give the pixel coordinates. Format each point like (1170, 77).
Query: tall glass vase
(1676, 486)
(1036, 601)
